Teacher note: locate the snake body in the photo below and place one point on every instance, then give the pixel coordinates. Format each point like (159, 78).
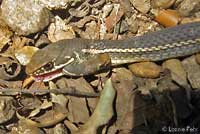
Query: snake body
(72, 54)
(172, 42)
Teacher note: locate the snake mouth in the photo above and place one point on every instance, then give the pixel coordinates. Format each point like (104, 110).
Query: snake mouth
(48, 76)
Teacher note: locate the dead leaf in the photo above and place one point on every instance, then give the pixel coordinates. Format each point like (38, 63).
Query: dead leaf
(5, 34)
(59, 30)
(7, 109)
(25, 54)
(9, 68)
(78, 111)
(103, 112)
(26, 126)
(114, 17)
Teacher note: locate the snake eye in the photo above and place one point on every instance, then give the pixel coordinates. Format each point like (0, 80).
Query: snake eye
(48, 66)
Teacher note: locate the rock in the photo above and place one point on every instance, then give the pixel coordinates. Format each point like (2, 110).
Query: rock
(55, 4)
(25, 17)
(177, 71)
(122, 74)
(163, 4)
(145, 69)
(197, 57)
(168, 17)
(141, 5)
(193, 71)
(187, 7)
(133, 24)
(189, 20)
(126, 5)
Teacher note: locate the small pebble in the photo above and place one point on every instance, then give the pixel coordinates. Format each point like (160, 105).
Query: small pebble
(168, 17)
(55, 4)
(162, 4)
(141, 5)
(145, 69)
(188, 7)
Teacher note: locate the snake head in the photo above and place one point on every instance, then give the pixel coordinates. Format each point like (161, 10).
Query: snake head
(47, 63)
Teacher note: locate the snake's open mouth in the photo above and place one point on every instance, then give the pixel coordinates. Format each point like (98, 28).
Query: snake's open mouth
(48, 76)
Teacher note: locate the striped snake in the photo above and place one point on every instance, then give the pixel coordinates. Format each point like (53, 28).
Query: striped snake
(78, 56)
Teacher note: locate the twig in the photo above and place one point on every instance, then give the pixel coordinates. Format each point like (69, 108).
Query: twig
(68, 91)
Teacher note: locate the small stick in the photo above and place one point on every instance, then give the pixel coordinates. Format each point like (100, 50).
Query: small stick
(68, 91)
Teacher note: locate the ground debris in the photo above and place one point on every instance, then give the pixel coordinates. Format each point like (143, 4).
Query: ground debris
(144, 97)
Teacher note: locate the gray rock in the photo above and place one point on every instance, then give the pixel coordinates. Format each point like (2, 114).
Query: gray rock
(187, 7)
(25, 16)
(193, 71)
(55, 4)
(141, 5)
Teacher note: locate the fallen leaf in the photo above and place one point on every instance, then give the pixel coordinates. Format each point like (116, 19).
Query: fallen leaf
(59, 30)
(103, 112)
(25, 54)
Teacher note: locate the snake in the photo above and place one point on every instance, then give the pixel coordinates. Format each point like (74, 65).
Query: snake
(78, 56)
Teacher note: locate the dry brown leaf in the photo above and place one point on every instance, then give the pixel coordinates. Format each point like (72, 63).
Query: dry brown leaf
(78, 110)
(44, 105)
(24, 54)
(9, 68)
(38, 86)
(7, 109)
(70, 125)
(26, 126)
(59, 30)
(103, 112)
(114, 17)
(5, 34)
(27, 81)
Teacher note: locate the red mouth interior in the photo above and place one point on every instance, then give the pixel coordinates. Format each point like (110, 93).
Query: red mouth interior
(49, 75)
